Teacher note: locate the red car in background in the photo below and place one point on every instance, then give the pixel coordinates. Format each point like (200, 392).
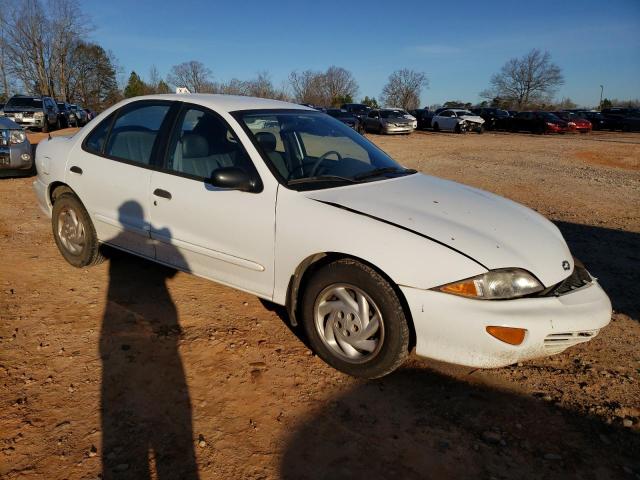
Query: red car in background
(574, 122)
(537, 122)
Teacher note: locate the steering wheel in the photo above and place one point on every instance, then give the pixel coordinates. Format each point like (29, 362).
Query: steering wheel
(321, 158)
(315, 164)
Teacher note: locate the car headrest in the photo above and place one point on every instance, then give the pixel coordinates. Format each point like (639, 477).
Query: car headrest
(194, 146)
(267, 141)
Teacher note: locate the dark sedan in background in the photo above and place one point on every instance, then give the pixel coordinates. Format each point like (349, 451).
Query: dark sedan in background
(537, 122)
(494, 118)
(347, 118)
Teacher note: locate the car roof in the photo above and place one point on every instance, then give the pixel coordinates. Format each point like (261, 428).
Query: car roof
(225, 103)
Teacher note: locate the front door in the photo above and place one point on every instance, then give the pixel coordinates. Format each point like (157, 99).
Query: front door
(111, 172)
(224, 235)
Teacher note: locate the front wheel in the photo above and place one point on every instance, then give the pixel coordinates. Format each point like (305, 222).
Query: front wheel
(354, 320)
(74, 232)
(480, 129)
(436, 127)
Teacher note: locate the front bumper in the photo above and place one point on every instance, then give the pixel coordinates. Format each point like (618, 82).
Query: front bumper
(28, 121)
(41, 191)
(408, 128)
(16, 158)
(453, 329)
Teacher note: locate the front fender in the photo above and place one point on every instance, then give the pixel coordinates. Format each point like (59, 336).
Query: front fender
(306, 227)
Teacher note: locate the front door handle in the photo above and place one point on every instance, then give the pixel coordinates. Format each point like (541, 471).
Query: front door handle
(158, 192)
(75, 169)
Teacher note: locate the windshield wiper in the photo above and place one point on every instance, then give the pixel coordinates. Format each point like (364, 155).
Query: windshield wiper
(381, 171)
(321, 178)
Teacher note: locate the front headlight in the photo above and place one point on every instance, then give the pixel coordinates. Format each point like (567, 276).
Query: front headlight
(16, 136)
(495, 285)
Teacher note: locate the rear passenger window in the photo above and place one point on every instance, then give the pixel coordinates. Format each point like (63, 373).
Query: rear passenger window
(134, 133)
(97, 138)
(202, 143)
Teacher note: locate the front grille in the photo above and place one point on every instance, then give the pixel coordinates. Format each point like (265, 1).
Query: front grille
(557, 342)
(578, 279)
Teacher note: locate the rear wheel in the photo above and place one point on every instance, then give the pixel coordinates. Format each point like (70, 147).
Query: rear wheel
(74, 232)
(354, 320)
(45, 126)
(436, 127)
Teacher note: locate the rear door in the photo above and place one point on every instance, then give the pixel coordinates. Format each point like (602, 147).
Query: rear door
(224, 235)
(111, 171)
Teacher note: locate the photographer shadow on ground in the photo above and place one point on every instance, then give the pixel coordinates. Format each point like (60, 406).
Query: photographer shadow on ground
(145, 403)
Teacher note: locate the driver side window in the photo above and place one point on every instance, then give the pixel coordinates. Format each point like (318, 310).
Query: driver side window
(202, 143)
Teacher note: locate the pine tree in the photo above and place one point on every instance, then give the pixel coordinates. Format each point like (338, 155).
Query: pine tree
(135, 86)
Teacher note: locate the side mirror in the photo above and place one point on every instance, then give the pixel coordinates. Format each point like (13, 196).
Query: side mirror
(234, 178)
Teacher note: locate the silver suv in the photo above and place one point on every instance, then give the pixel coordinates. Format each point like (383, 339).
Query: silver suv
(33, 112)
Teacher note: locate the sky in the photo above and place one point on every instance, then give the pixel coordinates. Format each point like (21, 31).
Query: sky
(458, 44)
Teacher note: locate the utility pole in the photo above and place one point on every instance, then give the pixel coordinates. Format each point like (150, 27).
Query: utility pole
(601, 90)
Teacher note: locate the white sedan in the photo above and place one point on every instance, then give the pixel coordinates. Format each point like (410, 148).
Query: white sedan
(457, 120)
(289, 204)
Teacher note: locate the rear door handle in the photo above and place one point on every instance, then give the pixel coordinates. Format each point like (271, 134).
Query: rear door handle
(158, 192)
(75, 169)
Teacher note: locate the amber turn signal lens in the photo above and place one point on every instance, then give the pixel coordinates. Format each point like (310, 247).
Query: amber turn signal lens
(512, 336)
(466, 288)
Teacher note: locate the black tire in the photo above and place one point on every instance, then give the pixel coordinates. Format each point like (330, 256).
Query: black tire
(458, 129)
(480, 129)
(58, 124)
(90, 253)
(45, 126)
(393, 347)
(436, 127)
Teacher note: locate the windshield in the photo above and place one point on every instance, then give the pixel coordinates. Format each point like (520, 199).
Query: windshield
(28, 102)
(461, 113)
(311, 150)
(549, 116)
(339, 114)
(392, 113)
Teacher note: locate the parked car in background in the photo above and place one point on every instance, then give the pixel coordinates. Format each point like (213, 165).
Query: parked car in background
(67, 115)
(537, 122)
(494, 118)
(80, 114)
(347, 118)
(598, 121)
(90, 114)
(388, 120)
(15, 150)
(423, 118)
(512, 113)
(575, 123)
(625, 119)
(360, 110)
(411, 117)
(457, 120)
(1, 109)
(33, 112)
(392, 260)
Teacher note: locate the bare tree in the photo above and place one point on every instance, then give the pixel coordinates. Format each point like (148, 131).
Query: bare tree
(531, 79)
(323, 88)
(67, 25)
(154, 79)
(192, 74)
(308, 87)
(339, 85)
(403, 89)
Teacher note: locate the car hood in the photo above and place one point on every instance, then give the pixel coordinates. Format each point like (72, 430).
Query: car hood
(494, 231)
(473, 118)
(397, 120)
(8, 124)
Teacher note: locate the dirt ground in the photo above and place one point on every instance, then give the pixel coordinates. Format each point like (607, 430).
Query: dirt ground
(217, 385)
